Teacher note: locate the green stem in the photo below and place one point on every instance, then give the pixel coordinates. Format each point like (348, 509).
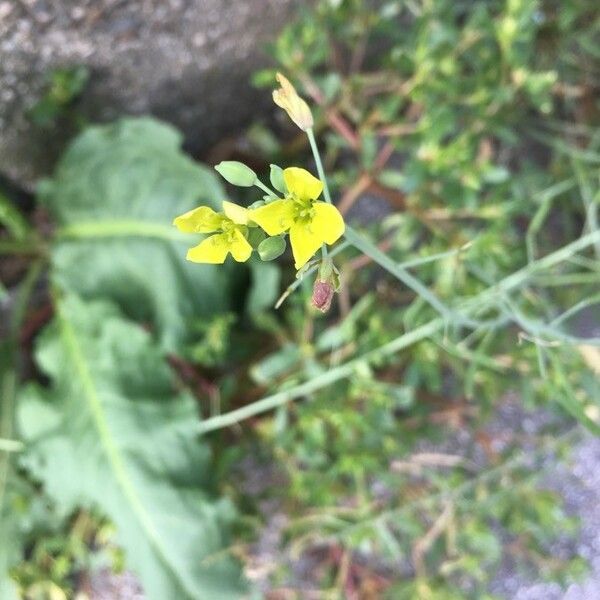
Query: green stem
(321, 172)
(400, 343)
(259, 184)
(522, 275)
(383, 260)
(317, 157)
(297, 282)
(575, 309)
(28, 247)
(370, 249)
(321, 381)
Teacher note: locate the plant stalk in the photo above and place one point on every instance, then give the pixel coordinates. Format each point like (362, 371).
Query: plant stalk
(401, 342)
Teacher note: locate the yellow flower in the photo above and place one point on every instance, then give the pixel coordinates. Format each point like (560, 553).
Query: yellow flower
(287, 98)
(229, 229)
(310, 223)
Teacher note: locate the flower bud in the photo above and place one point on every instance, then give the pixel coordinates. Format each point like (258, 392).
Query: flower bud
(277, 180)
(326, 285)
(322, 296)
(236, 173)
(271, 248)
(287, 98)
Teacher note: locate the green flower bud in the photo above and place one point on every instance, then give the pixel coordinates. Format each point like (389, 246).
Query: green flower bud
(277, 180)
(236, 173)
(256, 236)
(271, 248)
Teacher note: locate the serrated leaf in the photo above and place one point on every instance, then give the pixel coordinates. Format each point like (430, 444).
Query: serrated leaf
(114, 196)
(111, 432)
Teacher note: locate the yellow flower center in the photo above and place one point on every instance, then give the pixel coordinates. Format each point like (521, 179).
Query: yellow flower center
(229, 228)
(304, 211)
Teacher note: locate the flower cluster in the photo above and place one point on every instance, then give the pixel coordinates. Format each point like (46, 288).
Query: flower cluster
(309, 222)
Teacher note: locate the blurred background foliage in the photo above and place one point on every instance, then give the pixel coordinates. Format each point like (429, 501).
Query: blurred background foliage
(462, 137)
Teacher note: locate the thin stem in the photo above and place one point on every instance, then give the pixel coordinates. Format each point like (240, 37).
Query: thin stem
(384, 261)
(309, 271)
(28, 247)
(519, 277)
(423, 260)
(259, 184)
(370, 249)
(319, 163)
(575, 309)
(400, 343)
(321, 381)
(321, 172)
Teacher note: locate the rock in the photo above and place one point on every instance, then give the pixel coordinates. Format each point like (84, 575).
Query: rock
(185, 61)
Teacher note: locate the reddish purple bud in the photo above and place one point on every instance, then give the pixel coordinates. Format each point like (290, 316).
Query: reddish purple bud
(322, 296)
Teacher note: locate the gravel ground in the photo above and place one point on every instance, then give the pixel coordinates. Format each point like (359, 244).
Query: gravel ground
(578, 482)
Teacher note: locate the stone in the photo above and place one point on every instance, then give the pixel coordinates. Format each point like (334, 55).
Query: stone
(188, 62)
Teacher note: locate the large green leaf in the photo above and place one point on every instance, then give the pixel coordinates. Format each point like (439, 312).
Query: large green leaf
(114, 196)
(111, 432)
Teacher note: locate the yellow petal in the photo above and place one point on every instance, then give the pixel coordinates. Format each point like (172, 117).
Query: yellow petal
(301, 183)
(199, 220)
(240, 248)
(238, 214)
(328, 223)
(287, 98)
(304, 243)
(274, 218)
(213, 250)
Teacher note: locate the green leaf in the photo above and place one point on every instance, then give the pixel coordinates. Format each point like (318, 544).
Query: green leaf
(266, 280)
(12, 519)
(111, 432)
(12, 219)
(276, 364)
(114, 195)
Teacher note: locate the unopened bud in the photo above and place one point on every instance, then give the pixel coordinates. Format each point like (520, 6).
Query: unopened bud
(287, 98)
(271, 248)
(322, 296)
(236, 173)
